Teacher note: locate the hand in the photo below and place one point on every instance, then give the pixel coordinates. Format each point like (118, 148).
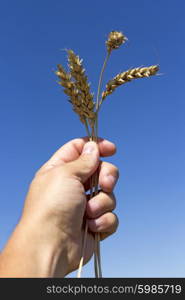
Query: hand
(56, 204)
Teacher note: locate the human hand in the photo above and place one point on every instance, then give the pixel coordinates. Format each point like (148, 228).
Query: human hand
(56, 204)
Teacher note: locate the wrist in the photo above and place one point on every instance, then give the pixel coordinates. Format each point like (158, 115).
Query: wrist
(31, 252)
(47, 246)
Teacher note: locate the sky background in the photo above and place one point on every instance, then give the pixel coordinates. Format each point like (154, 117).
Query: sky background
(145, 118)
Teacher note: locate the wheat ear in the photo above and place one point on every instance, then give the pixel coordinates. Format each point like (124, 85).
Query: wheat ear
(71, 91)
(81, 83)
(127, 76)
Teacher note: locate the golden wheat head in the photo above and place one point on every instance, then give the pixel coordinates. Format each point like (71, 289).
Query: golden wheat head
(128, 76)
(115, 40)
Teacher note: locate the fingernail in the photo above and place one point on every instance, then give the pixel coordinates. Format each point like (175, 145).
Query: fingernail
(89, 148)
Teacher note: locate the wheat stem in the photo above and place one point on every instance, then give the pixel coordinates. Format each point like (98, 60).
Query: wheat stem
(101, 77)
(79, 274)
(87, 128)
(97, 260)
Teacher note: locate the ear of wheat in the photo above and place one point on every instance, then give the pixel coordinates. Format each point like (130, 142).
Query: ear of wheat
(127, 76)
(77, 88)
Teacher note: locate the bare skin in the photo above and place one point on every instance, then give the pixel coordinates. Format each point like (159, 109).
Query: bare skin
(47, 242)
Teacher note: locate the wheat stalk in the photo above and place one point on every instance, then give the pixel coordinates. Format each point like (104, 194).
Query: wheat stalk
(76, 86)
(114, 41)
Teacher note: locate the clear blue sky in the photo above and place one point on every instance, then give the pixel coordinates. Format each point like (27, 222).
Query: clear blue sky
(144, 118)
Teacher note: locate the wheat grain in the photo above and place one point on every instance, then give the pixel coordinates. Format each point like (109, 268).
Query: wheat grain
(128, 76)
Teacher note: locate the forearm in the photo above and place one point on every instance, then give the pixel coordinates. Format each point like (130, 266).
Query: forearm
(31, 253)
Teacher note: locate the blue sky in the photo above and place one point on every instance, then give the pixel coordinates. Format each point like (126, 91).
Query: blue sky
(145, 118)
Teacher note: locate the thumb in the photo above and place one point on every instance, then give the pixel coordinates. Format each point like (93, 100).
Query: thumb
(86, 164)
